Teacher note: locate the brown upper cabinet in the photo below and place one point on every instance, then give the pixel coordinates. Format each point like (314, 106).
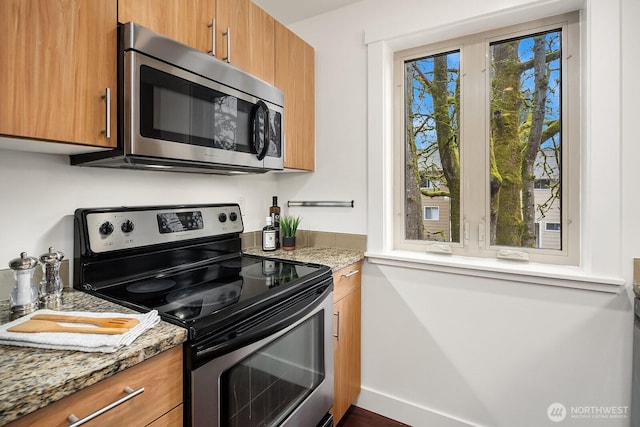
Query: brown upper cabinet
(232, 27)
(242, 33)
(295, 71)
(57, 63)
(188, 21)
(262, 49)
(245, 37)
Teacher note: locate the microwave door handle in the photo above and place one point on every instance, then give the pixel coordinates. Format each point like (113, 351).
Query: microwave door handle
(255, 129)
(267, 132)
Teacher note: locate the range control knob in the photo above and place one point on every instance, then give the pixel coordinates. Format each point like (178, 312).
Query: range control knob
(106, 228)
(222, 217)
(127, 226)
(233, 216)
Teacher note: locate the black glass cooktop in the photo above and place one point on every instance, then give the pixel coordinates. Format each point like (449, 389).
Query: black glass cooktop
(205, 295)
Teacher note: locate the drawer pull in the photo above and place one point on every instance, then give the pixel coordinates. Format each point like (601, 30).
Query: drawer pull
(351, 273)
(130, 395)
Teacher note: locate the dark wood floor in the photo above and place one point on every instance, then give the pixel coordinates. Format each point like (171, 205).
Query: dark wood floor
(358, 417)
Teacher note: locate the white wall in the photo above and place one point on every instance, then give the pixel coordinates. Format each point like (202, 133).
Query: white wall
(39, 193)
(341, 142)
(449, 350)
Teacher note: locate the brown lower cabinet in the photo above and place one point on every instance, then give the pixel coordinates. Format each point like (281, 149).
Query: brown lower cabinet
(347, 327)
(159, 405)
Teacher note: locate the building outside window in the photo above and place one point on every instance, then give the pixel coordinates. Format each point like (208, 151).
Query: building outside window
(431, 213)
(553, 226)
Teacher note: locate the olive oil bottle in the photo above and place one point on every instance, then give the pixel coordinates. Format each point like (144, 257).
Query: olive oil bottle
(274, 213)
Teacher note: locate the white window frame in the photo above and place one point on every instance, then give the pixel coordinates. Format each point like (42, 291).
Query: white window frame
(474, 205)
(600, 267)
(433, 208)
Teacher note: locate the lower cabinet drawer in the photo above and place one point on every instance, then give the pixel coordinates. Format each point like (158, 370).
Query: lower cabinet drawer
(346, 280)
(170, 419)
(160, 377)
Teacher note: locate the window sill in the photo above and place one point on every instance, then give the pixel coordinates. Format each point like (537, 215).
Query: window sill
(513, 271)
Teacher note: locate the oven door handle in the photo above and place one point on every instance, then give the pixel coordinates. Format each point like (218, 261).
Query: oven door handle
(253, 331)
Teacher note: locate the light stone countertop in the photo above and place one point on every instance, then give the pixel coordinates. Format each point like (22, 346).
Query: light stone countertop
(335, 258)
(31, 378)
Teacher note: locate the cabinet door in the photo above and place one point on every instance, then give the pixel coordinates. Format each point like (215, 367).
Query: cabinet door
(346, 353)
(187, 21)
(295, 75)
(57, 60)
(262, 44)
(251, 30)
(249, 43)
(233, 32)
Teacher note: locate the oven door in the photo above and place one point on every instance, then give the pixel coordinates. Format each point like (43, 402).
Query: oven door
(285, 379)
(172, 113)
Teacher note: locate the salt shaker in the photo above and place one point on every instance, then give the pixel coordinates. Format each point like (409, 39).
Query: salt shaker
(24, 297)
(51, 284)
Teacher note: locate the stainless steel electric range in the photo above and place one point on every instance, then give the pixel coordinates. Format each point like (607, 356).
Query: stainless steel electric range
(260, 337)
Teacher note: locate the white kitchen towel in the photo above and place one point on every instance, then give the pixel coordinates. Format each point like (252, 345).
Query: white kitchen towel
(77, 341)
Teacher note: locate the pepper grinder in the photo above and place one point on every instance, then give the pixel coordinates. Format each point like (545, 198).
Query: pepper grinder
(24, 297)
(51, 284)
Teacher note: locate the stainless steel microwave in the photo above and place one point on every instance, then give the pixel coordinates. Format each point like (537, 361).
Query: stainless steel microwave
(180, 109)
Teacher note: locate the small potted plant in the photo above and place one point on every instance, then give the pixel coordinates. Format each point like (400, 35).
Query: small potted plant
(288, 227)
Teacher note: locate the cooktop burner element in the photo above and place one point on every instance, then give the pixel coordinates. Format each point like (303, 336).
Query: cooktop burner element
(198, 304)
(150, 285)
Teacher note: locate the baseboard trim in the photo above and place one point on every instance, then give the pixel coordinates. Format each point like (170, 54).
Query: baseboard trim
(407, 412)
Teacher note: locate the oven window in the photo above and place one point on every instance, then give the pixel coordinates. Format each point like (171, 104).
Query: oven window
(263, 389)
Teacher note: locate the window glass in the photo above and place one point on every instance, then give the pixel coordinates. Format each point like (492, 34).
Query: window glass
(487, 130)
(525, 138)
(432, 143)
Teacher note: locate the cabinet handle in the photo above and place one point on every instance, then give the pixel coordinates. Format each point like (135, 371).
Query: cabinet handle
(228, 35)
(212, 52)
(351, 273)
(337, 334)
(130, 395)
(107, 98)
